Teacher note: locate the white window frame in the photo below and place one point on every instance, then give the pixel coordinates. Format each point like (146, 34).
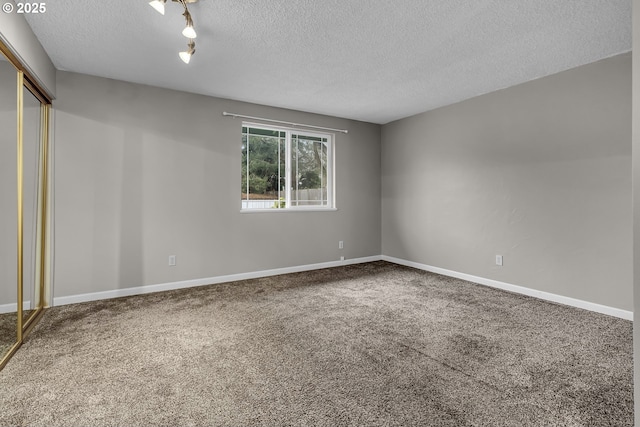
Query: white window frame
(331, 203)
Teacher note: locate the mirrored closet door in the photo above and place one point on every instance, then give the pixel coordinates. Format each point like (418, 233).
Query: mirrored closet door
(24, 121)
(31, 203)
(8, 207)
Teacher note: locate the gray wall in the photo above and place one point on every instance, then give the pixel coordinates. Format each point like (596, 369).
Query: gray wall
(16, 33)
(539, 173)
(142, 173)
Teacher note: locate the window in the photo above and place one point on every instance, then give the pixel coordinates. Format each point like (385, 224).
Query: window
(286, 169)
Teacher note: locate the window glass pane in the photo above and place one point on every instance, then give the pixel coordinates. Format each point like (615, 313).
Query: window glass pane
(308, 171)
(310, 138)
(283, 169)
(263, 169)
(265, 132)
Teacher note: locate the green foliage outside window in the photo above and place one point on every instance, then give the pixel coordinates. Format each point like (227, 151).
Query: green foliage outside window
(264, 163)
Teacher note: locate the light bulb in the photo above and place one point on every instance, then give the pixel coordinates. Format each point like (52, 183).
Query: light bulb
(185, 56)
(158, 5)
(189, 32)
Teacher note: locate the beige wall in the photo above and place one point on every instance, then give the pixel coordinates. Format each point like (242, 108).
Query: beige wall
(142, 173)
(539, 173)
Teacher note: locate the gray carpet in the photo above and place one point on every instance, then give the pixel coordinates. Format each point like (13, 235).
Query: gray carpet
(8, 331)
(374, 345)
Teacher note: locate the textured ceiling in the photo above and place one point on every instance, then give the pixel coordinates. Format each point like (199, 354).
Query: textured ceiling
(370, 60)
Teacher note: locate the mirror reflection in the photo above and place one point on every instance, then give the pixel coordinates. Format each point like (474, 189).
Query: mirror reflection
(31, 138)
(8, 207)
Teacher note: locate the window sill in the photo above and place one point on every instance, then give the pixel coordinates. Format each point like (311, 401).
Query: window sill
(251, 211)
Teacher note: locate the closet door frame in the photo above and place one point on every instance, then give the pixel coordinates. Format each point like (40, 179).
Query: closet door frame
(26, 81)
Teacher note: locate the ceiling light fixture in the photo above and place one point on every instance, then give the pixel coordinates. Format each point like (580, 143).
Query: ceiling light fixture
(186, 55)
(158, 5)
(188, 31)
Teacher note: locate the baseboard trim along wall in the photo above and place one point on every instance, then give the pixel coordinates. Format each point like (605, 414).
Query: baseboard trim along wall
(13, 307)
(547, 296)
(95, 296)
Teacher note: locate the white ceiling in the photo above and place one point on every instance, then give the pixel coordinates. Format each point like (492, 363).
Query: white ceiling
(370, 60)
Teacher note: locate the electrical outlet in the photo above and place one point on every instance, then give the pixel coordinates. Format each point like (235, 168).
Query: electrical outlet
(499, 260)
(172, 260)
(340, 244)
(341, 258)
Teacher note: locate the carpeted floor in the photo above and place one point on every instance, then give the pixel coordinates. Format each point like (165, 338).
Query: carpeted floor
(8, 332)
(374, 344)
(9, 329)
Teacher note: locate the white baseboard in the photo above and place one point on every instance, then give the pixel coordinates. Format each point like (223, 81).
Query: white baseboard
(94, 296)
(12, 308)
(547, 296)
